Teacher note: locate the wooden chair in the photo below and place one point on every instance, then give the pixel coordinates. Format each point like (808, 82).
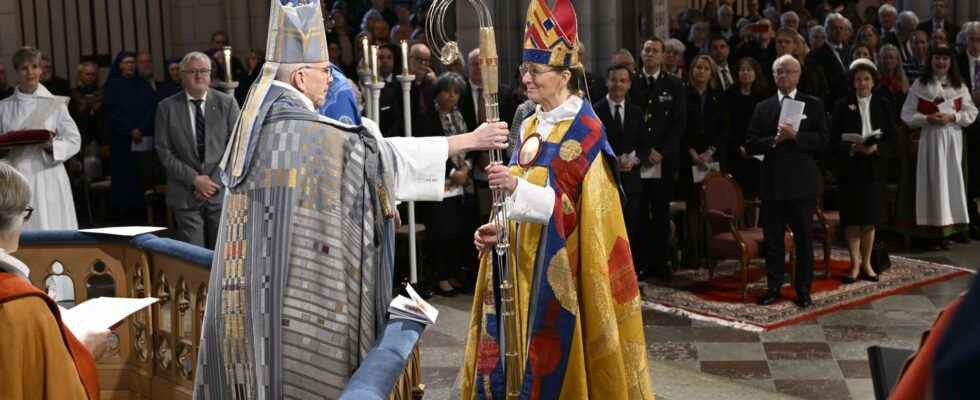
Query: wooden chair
(723, 205)
(824, 228)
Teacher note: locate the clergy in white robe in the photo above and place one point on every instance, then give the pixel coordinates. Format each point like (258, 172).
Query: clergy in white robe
(43, 166)
(940, 199)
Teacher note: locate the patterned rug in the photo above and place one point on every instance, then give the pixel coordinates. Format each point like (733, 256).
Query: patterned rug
(691, 294)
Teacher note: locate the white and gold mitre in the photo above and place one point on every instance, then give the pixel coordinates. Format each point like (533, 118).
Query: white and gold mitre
(296, 32)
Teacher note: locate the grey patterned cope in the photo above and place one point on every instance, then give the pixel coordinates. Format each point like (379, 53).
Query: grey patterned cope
(301, 275)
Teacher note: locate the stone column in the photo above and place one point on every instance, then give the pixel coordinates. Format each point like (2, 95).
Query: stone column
(10, 31)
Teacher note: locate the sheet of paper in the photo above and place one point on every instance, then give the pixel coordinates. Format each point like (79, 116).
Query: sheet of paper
(946, 107)
(102, 313)
(792, 113)
(431, 312)
(127, 231)
(700, 172)
(852, 138)
(143, 146)
(651, 171)
(760, 157)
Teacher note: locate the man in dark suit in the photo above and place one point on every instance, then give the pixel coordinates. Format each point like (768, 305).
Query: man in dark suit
(969, 65)
(790, 177)
(192, 129)
(888, 24)
(940, 12)
(624, 124)
(390, 114)
(832, 56)
(662, 100)
(471, 100)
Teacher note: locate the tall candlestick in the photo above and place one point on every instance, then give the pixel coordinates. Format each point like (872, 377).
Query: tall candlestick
(374, 63)
(405, 57)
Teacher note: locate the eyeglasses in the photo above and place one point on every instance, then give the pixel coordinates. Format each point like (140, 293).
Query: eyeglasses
(29, 211)
(198, 72)
(325, 70)
(528, 68)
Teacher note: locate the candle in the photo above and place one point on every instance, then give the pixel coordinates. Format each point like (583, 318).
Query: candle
(404, 57)
(365, 54)
(374, 62)
(227, 52)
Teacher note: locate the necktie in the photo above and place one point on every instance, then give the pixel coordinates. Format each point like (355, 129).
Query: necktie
(726, 78)
(199, 129)
(650, 81)
(619, 116)
(976, 75)
(481, 111)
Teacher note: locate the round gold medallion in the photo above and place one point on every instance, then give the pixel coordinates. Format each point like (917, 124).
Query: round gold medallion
(530, 150)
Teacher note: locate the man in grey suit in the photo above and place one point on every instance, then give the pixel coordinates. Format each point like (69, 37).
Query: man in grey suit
(192, 132)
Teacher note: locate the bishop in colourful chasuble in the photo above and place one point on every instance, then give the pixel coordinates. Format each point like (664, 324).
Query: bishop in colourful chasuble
(576, 294)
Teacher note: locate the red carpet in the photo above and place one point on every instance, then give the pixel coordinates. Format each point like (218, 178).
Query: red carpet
(690, 293)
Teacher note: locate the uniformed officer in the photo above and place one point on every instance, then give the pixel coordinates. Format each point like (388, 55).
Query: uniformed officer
(661, 96)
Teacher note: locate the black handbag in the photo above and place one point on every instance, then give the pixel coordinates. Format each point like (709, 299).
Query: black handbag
(880, 260)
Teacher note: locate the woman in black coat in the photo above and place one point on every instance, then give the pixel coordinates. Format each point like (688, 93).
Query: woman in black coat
(860, 122)
(447, 222)
(740, 101)
(703, 144)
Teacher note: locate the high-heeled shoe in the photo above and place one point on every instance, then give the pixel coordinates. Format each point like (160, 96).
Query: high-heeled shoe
(847, 279)
(869, 278)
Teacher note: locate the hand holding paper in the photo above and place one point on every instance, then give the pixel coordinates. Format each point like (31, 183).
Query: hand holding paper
(792, 114)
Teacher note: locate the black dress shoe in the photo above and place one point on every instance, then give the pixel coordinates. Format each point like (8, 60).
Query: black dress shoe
(847, 279)
(445, 293)
(946, 244)
(770, 297)
(804, 300)
(963, 237)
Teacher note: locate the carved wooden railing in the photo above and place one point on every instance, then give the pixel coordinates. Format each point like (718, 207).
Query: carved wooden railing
(153, 354)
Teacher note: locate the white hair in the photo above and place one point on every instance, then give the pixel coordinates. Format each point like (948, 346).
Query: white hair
(675, 45)
(194, 55)
(787, 15)
(285, 72)
(908, 16)
(725, 7)
(970, 28)
(836, 16)
(886, 8)
(785, 58)
(814, 30)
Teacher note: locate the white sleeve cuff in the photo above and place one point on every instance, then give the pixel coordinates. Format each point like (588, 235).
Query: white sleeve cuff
(531, 203)
(421, 170)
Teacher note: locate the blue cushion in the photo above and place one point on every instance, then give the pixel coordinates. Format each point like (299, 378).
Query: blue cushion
(376, 376)
(179, 250)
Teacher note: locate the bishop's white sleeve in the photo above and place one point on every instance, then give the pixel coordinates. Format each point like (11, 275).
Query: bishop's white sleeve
(530, 203)
(67, 139)
(419, 164)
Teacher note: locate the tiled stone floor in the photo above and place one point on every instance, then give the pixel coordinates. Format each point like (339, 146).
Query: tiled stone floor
(824, 358)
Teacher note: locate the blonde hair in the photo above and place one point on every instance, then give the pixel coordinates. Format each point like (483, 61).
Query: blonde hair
(14, 198)
(713, 78)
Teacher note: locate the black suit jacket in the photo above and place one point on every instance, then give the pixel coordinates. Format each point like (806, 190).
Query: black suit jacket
(963, 62)
(951, 28)
(623, 140)
(391, 113)
(846, 118)
(468, 107)
(664, 108)
(707, 125)
(789, 170)
(834, 70)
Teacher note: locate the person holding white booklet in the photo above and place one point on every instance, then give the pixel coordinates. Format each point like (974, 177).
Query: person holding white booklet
(860, 123)
(790, 177)
(942, 106)
(40, 358)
